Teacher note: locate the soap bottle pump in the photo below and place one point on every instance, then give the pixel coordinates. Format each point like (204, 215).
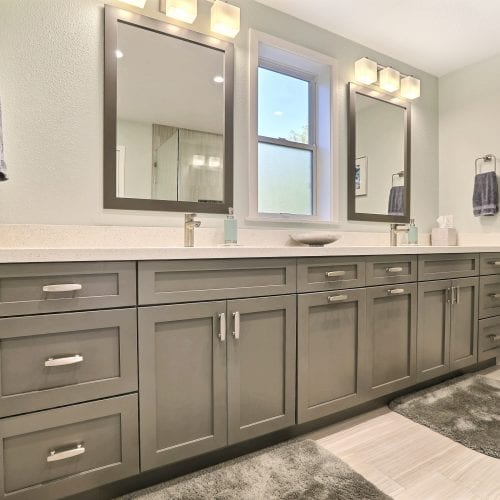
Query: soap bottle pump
(231, 229)
(412, 233)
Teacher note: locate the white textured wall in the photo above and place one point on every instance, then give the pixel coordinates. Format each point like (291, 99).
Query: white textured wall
(51, 80)
(469, 110)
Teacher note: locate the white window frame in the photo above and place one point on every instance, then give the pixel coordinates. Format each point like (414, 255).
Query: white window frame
(324, 125)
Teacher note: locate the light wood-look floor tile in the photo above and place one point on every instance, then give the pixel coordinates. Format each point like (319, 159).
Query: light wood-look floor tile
(409, 461)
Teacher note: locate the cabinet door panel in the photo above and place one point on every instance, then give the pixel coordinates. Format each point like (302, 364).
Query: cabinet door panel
(464, 323)
(182, 374)
(261, 366)
(433, 336)
(329, 337)
(390, 356)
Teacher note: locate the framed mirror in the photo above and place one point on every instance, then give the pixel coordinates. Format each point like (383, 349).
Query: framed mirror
(379, 174)
(168, 117)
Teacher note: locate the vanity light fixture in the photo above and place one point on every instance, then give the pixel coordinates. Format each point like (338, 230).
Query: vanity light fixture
(389, 79)
(218, 79)
(182, 10)
(225, 19)
(410, 87)
(135, 3)
(365, 71)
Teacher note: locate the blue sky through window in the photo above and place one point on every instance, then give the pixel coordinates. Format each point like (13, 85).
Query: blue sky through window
(283, 106)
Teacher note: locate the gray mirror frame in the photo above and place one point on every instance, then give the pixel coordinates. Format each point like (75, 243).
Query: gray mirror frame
(112, 16)
(353, 89)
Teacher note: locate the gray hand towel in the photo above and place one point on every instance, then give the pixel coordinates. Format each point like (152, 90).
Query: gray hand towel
(485, 197)
(396, 201)
(3, 167)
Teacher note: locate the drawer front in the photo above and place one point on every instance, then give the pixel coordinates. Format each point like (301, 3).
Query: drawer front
(490, 263)
(59, 359)
(489, 339)
(167, 282)
(437, 267)
(489, 296)
(56, 453)
(321, 274)
(387, 270)
(45, 288)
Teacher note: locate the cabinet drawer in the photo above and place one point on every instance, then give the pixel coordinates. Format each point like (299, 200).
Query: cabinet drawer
(490, 263)
(56, 453)
(167, 282)
(489, 296)
(489, 339)
(387, 270)
(316, 275)
(59, 359)
(33, 288)
(437, 267)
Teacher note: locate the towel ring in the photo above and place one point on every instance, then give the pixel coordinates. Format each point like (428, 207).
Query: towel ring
(486, 159)
(397, 174)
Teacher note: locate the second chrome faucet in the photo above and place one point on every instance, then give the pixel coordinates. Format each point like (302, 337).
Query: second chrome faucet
(189, 225)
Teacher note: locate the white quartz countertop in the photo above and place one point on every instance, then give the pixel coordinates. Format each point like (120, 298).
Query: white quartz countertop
(24, 254)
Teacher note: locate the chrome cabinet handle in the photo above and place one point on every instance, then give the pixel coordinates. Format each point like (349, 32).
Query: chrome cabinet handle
(337, 298)
(67, 287)
(457, 294)
(448, 296)
(55, 456)
(494, 338)
(394, 270)
(64, 360)
(494, 295)
(396, 291)
(495, 263)
(236, 318)
(335, 274)
(222, 330)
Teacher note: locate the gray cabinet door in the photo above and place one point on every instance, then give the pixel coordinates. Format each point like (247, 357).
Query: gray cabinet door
(464, 323)
(331, 334)
(434, 323)
(489, 338)
(261, 355)
(182, 381)
(390, 353)
(489, 296)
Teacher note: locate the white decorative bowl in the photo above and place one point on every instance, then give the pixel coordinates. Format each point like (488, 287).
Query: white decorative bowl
(314, 238)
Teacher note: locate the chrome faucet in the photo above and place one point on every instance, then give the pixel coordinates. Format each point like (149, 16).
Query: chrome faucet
(395, 229)
(189, 225)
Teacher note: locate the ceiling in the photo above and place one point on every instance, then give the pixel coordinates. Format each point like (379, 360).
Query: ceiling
(437, 36)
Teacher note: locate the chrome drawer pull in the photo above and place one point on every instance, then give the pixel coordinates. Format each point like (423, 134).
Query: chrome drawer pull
(335, 274)
(63, 361)
(494, 338)
(396, 291)
(68, 287)
(222, 331)
(495, 295)
(236, 317)
(337, 298)
(495, 263)
(55, 456)
(394, 270)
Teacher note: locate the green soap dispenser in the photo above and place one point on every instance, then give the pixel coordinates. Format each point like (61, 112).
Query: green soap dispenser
(231, 229)
(412, 233)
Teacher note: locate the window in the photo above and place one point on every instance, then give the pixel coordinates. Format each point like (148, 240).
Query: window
(292, 154)
(286, 141)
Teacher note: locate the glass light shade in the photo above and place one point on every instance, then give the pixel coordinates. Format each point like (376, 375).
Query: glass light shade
(410, 87)
(365, 71)
(182, 10)
(225, 19)
(135, 3)
(389, 79)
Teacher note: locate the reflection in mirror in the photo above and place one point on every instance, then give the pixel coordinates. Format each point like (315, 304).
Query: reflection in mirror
(170, 118)
(379, 145)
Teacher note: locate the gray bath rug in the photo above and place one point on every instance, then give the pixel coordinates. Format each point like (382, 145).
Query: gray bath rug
(295, 470)
(465, 409)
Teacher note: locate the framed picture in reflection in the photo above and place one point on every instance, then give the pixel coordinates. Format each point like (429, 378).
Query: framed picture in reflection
(360, 176)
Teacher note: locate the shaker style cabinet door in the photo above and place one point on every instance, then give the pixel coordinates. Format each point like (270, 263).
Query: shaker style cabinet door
(331, 334)
(390, 353)
(182, 374)
(464, 323)
(261, 354)
(434, 324)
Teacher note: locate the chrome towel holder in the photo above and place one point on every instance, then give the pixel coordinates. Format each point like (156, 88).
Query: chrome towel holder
(485, 159)
(397, 174)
